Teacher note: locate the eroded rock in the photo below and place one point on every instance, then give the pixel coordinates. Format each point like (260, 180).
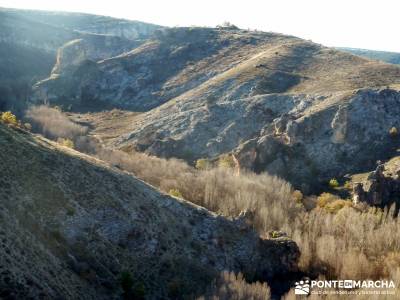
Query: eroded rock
(379, 189)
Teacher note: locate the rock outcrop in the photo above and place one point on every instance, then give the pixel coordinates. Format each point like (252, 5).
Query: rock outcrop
(29, 41)
(307, 139)
(379, 188)
(90, 47)
(174, 61)
(205, 65)
(333, 136)
(70, 223)
(281, 104)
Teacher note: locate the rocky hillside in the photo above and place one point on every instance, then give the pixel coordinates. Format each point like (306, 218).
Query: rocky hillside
(70, 223)
(298, 110)
(223, 64)
(380, 187)
(29, 41)
(279, 103)
(173, 62)
(305, 138)
(389, 57)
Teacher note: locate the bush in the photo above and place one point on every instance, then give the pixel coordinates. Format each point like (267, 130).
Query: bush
(226, 161)
(126, 281)
(203, 164)
(139, 291)
(175, 193)
(9, 118)
(326, 198)
(347, 185)
(393, 132)
(174, 288)
(297, 196)
(231, 286)
(66, 143)
(53, 124)
(333, 183)
(332, 203)
(70, 211)
(337, 205)
(131, 289)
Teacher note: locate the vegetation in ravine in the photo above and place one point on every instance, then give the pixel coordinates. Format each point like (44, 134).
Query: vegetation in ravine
(336, 238)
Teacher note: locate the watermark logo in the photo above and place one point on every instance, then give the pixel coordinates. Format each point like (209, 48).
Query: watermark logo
(302, 287)
(344, 287)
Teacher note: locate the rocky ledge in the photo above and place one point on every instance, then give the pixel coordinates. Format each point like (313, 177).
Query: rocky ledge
(379, 188)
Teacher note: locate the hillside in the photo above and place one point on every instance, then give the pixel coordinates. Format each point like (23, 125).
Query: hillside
(174, 61)
(389, 57)
(143, 162)
(29, 41)
(280, 104)
(205, 62)
(87, 23)
(70, 222)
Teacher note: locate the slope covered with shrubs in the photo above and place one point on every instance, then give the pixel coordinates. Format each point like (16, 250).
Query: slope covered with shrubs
(336, 239)
(71, 223)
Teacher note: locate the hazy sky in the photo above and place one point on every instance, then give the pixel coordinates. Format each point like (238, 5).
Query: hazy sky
(351, 23)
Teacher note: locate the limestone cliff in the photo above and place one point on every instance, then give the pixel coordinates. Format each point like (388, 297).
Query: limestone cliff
(30, 40)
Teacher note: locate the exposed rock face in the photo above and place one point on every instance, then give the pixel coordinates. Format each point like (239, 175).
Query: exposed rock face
(70, 223)
(29, 41)
(203, 65)
(76, 60)
(281, 104)
(303, 138)
(175, 61)
(345, 135)
(93, 48)
(379, 189)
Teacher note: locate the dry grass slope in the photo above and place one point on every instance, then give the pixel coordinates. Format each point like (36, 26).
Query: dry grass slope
(87, 223)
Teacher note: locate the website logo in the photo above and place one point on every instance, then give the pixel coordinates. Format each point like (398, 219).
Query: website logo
(302, 287)
(344, 287)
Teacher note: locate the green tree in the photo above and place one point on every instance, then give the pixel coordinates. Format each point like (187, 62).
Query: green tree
(333, 183)
(126, 281)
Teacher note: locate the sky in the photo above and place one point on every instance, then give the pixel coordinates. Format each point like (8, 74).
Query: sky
(367, 24)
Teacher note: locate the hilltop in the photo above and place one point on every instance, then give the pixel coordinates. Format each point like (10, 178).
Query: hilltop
(87, 23)
(207, 62)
